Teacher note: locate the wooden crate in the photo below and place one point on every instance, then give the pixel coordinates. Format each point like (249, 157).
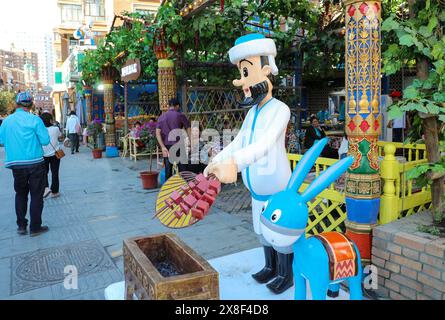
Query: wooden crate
(197, 279)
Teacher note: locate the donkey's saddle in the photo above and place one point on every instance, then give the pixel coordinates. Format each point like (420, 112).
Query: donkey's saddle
(342, 255)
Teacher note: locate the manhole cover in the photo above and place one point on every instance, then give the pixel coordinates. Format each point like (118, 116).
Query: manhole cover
(46, 267)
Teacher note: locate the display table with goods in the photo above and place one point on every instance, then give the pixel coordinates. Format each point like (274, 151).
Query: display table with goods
(120, 120)
(142, 142)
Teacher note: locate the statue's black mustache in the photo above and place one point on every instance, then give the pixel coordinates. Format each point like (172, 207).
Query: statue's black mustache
(257, 93)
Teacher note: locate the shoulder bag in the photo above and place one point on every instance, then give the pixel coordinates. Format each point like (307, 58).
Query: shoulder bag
(58, 153)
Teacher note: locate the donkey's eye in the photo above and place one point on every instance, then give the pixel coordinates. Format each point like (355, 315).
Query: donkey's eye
(275, 216)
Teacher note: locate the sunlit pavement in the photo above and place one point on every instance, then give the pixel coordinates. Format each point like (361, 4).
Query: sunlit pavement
(102, 203)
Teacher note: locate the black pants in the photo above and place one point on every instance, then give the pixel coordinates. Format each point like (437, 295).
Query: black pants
(54, 164)
(397, 135)
(29, 180)
(329, 152)
(74, 137)
(168, 166)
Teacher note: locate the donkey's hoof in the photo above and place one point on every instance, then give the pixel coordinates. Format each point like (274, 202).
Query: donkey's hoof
(333, 294)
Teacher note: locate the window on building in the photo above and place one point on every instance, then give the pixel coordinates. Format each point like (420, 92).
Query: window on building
(71, 13)
(95, 9)
(72, 44)
(56, 37)
(145, 11)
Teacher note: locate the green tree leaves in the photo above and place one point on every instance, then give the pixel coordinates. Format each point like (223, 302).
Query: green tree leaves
(390, 24)
(421, 39)
(7, 101)
(410, 93)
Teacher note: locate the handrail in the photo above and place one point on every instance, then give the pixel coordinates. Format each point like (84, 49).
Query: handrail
(411, 147)
(399, 193)
(400, 196)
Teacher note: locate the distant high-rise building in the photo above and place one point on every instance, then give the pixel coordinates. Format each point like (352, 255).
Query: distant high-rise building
(23, 66)
(39, 43)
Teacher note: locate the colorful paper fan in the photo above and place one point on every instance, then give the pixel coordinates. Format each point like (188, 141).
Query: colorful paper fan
(186, 198)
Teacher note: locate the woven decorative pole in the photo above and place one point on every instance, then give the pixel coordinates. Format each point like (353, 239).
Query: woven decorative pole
(88, 102)
(363, 120)
(166, 71)
(110, 135)
(166, 82)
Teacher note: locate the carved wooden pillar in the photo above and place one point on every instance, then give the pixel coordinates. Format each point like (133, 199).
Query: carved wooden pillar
(166, 72)
(88, 91)
(363, 120)
(108, 74)
(110, 139)
(166, 82)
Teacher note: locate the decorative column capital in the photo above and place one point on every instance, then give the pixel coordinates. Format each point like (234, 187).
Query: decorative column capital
(166, 63)
(349, 2)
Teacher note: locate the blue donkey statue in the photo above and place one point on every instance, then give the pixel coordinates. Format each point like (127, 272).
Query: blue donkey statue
(325, 260)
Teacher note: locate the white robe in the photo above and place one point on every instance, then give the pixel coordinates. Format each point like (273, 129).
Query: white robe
(260, 154)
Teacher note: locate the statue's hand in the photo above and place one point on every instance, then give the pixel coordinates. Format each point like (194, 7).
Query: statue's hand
(226, 172)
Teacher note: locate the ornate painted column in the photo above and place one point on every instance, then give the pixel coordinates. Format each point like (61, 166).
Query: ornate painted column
(166, 82)
(88, 91)
(110, 135)
(363, 120)
(166, 71)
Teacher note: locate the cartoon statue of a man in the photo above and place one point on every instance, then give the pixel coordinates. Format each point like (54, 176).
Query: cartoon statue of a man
(258, 151)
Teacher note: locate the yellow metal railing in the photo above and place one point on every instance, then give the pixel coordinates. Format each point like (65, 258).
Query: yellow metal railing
(400, 196)
(412, 152)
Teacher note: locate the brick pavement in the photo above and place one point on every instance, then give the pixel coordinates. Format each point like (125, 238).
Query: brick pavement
(102, 200)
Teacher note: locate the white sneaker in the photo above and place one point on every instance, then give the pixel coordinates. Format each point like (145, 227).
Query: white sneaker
(47, 192)
(55, 195)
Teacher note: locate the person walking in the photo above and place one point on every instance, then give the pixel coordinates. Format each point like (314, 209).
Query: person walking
(23, 136)
(73, 130)
(171, 120)
(49, 153)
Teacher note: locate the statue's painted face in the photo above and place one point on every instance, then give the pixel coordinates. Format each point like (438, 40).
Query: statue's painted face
(251, 74)
(254, 81)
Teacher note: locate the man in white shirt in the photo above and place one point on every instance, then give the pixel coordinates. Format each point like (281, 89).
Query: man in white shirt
(73, 129)
(258, 151)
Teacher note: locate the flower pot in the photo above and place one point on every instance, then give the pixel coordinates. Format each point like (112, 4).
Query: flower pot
(97, 153)
(149, 179)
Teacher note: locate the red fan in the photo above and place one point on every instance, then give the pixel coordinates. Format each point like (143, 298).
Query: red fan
(186, 198)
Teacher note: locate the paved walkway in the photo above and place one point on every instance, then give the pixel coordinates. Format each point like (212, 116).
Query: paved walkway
(102, 203)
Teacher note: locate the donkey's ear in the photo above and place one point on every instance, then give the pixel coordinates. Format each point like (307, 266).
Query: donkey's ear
(326, 178)
(305, 164)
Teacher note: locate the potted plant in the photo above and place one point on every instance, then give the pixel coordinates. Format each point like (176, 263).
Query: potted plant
(148, 138)
(95, 130)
